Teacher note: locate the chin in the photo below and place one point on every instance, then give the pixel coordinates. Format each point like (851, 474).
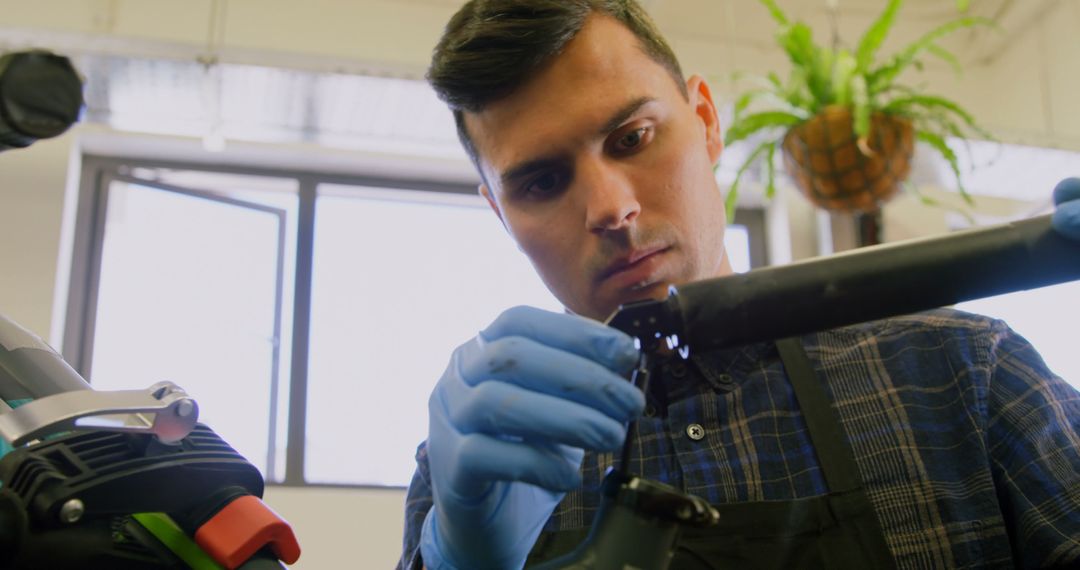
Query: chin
(655, 292)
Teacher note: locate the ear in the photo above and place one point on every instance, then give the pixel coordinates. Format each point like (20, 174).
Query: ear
(486, 193)
(701, 100)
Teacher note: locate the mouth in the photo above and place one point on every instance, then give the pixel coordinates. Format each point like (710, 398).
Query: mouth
(636, 270)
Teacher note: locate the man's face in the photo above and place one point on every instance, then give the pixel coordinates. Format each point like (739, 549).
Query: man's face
(601, 170)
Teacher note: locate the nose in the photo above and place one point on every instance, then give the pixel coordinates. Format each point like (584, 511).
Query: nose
(610, 200)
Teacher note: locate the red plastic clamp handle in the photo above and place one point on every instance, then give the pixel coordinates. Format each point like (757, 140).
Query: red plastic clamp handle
(243, 527)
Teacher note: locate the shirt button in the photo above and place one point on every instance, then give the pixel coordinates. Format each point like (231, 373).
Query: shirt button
(721, 383)
(695, 432)
(678, 370)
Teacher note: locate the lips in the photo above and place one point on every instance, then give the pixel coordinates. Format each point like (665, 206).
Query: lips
(635, 269)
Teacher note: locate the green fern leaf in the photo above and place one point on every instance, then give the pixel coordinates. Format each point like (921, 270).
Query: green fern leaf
(751, 124)
(747, 98)
(931, 103)
(776, 12)
(938, 143)
(733, 192)
(798, 42)
(875, 35)
(860, 102)
(882, 77)
(770, 171)
(946, 56)
(843, 73)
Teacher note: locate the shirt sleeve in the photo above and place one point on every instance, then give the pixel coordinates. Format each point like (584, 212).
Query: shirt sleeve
(418, 502)
(1033, 435)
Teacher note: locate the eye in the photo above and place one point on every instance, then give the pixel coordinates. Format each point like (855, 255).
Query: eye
(546, 185)
(632, 140)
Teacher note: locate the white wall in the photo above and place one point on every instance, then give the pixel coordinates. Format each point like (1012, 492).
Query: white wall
(342, 528)
(1027, 96)
(32, 188)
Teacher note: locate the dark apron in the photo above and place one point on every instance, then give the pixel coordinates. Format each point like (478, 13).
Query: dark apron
(836, 530)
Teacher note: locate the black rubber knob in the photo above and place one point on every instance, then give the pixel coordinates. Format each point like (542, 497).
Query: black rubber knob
(40, 96)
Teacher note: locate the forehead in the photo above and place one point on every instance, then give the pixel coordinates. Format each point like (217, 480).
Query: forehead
(602, 69)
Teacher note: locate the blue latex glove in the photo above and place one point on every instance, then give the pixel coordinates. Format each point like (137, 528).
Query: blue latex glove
(1066, 219)
(509, 421)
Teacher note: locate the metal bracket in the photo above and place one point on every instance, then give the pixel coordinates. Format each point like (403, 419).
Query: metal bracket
(163, 409)
(655, 324)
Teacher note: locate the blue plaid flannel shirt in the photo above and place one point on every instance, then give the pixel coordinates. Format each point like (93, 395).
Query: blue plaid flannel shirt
(969, 447)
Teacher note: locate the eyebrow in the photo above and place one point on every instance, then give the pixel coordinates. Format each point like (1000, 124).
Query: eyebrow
(617, 119)
(623, 114)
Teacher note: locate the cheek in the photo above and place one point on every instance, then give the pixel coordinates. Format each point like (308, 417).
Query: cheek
(547, 245)
(691, 199)
(529, 230)
(681, 153)
(688, 187)
(556, 262)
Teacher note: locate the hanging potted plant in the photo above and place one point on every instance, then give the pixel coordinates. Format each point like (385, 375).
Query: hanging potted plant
(846, 128)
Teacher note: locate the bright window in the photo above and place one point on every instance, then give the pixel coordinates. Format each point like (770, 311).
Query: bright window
(1046, 317)
(189, 292)
(400, 279)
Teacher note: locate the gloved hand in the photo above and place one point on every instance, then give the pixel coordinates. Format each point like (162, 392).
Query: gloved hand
(509, 421)
(1066, 219)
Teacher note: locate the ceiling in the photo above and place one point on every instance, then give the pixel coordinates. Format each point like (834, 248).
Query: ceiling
(747, 24)
(716, 37)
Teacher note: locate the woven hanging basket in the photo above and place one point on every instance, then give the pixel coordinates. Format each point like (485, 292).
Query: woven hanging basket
(822, 155)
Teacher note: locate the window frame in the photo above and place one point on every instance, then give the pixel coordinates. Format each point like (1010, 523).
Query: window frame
(97, 171)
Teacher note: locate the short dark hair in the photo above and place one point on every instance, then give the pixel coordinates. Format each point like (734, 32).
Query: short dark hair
(492, 47)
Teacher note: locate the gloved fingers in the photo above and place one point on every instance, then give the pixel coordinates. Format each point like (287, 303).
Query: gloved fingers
(1066, 219)
(1067, 190)
(584, 337)
(485, 458)
(533, 366)
(501, 409)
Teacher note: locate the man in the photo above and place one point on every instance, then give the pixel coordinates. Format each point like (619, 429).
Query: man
(957, 447)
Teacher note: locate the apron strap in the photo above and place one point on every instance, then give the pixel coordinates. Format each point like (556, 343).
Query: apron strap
(837, 530)
(833, 452)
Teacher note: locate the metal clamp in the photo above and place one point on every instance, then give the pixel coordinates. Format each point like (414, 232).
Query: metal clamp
(655, 324)
(164, 410)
